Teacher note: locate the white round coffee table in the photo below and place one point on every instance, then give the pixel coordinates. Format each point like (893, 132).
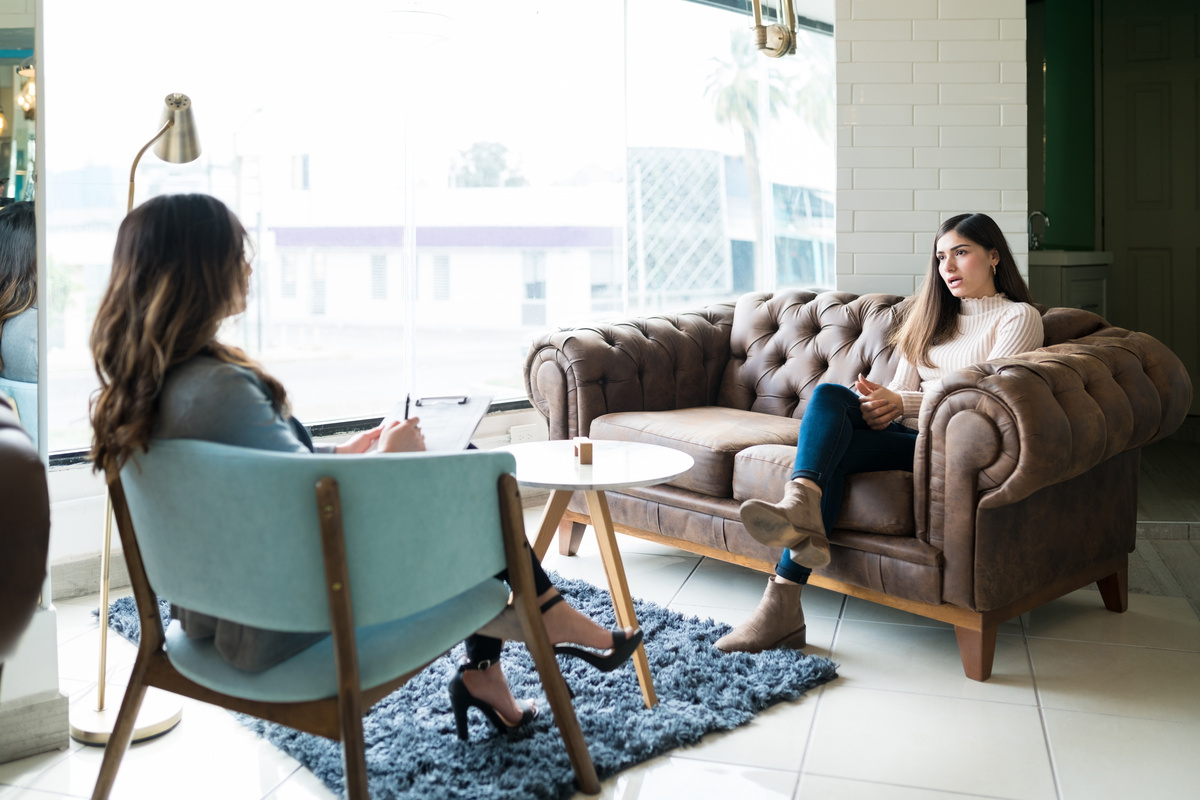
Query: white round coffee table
(615, 465)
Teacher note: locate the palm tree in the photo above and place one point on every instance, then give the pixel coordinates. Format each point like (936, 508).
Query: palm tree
(733, 89)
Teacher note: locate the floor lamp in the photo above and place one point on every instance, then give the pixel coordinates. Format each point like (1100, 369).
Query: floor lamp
(92, 717)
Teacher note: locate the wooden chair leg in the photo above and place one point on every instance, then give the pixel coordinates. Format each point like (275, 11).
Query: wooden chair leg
(570, 535)
(978, 651)
(345, 647)
(1114, 590)
(559, 696)
(122, 735)
(354, 753)
(520, 575)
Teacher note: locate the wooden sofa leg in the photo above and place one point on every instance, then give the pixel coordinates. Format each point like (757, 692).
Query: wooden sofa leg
(978, 651)
(570, 534)
(1114, 590)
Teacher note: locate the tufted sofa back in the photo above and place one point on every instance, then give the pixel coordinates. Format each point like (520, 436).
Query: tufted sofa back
(766, 353)
(783, 344)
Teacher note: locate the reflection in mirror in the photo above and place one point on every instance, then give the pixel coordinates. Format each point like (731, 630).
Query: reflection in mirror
(18, 236)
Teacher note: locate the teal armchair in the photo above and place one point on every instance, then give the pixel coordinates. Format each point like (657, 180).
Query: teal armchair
(392, 554)
(25, 395)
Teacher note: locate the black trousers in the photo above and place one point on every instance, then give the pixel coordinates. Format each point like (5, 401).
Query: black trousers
(485, 648)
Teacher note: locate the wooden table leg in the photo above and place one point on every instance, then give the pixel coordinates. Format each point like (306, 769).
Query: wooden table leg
(606, 537)
(570, 535)
(551, 515)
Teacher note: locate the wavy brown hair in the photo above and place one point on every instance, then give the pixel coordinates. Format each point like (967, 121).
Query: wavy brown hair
(18, 260)
(179, 268)
(932, 316)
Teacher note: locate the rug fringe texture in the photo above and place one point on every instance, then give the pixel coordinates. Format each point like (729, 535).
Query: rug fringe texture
(412, 751)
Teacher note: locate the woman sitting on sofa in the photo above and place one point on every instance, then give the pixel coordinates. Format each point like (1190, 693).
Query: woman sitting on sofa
(972, 307)
(180, 269)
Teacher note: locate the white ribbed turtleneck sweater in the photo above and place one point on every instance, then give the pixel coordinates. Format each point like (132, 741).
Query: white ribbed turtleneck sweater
(988, 328)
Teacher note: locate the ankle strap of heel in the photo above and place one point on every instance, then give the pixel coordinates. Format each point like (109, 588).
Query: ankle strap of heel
(465, 664)
(552, 602)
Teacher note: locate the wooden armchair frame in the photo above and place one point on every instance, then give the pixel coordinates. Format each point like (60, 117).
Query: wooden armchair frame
(338, 718)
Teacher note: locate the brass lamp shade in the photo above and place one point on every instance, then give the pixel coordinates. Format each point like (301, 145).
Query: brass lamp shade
(180, 144)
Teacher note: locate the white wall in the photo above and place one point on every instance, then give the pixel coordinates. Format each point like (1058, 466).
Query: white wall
(931, 123)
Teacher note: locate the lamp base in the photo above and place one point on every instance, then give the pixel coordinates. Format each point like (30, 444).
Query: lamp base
(160, 712)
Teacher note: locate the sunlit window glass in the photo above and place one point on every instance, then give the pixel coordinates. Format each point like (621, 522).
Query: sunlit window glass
(425, 193)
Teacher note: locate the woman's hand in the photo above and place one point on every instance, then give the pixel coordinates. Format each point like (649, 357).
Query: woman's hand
(360, 442)
(880, 406)
(402, 437)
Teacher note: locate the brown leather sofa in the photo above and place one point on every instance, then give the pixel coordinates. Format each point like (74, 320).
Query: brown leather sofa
(1025, 481)
(24, 529)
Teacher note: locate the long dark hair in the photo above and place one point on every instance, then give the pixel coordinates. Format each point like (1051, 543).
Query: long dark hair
(933, 317)
(18, 260)
(179, 268)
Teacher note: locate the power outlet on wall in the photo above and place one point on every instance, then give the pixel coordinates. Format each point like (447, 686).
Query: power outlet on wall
(528, 433)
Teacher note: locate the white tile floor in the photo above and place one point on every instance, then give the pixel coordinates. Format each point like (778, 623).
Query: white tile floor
(1082, 704)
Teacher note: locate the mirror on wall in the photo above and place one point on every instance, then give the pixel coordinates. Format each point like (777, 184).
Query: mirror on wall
(18, 260)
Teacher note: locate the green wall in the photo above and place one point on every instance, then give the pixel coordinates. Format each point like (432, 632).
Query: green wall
(1069, 118)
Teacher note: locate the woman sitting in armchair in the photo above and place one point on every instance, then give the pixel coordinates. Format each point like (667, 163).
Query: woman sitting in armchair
(180, 269)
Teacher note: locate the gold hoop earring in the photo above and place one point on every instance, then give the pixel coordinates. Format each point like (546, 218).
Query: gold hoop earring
(993, 270)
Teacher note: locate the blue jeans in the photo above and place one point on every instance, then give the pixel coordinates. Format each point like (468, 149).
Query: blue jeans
(835, 441)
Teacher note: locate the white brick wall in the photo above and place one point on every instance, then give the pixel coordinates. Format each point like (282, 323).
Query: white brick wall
(931, 123)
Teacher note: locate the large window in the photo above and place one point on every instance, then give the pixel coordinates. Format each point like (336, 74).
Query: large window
(427, 193)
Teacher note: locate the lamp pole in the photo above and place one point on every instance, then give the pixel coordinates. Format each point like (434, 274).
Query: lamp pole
(92, 721)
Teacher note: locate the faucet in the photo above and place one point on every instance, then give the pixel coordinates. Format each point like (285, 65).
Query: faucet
(1034, 244)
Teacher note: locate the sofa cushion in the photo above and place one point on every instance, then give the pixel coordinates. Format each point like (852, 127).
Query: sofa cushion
(873, 502)
(709, 434)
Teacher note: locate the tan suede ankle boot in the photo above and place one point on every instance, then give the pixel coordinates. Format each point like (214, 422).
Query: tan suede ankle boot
(794, 522)
(777, 622)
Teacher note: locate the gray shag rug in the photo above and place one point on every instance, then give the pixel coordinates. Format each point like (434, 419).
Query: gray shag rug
(412, 751)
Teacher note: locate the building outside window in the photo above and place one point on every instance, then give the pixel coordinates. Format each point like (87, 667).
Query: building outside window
(287, 276)
(533, 277)
(607, 282)
(300, 173)
(317, 292)
(541, 198)
(441, 278)
(379, 276)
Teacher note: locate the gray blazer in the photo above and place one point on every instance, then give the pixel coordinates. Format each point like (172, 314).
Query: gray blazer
(18, 347)
(208, 399)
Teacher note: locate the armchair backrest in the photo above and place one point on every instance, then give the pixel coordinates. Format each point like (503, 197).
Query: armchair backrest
(25, 395)
(234, 532)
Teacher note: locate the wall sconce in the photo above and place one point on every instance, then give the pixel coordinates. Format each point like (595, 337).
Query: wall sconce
(776, 40)
(28, 98)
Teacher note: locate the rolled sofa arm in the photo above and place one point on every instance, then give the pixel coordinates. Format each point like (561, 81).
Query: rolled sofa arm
(1057, 412)
(656, 363)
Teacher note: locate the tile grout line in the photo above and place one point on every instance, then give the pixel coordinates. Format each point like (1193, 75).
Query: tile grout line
(1037, 696)
(1111, 644)
(923, 789)
(285, 779)
(837, 628)
(682, 584)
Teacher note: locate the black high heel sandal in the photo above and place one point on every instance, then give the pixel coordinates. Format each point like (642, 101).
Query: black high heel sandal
(622, 649)
(461, 699)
